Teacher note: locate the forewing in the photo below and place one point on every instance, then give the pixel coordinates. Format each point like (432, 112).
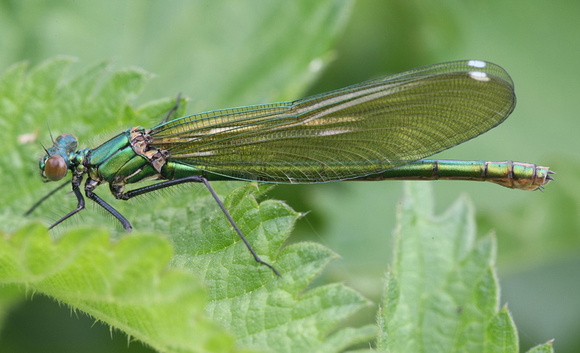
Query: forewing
(355, 131)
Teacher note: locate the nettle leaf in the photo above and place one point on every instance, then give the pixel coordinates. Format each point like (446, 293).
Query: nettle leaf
(197, 289)
(126, 285)
(262, 309)
(442, 294)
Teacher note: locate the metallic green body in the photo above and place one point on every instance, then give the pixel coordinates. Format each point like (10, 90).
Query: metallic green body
(173, 170)
(514, 175)
(116, 162)
(105, 151)
(376, 130)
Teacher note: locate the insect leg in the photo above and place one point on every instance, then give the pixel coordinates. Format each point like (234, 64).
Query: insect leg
(81, 201)
(197, 179)
(45, 198)
(172, 110)
(126, 224)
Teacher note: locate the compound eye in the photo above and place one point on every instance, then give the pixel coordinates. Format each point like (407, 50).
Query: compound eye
(55, 167)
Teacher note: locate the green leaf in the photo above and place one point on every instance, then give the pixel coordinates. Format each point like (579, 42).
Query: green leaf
(441, 294)
(126, 285)
(262, 310)
(209, 284)
(543, 348)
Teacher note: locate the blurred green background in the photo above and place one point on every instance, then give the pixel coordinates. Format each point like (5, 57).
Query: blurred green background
(200, 48)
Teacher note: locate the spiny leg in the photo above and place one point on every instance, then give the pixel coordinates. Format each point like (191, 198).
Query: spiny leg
(39, 202)
(126, 224)
(197, 179)
(80, 204)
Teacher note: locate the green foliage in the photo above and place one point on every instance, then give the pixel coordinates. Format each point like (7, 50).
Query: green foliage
(542, 348)
(199, 289)
(223, 54)
(441, 293)
(126, 285)
(129, 283)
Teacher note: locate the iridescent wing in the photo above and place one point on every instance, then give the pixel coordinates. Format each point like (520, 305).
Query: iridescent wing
(351, 132)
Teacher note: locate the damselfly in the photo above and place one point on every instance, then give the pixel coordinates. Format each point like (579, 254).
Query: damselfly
(375, 130)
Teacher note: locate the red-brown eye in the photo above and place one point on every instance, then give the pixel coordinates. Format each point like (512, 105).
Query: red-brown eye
(55, 167)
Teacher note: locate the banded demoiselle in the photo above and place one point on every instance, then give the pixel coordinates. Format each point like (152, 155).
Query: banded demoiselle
(375, 130)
